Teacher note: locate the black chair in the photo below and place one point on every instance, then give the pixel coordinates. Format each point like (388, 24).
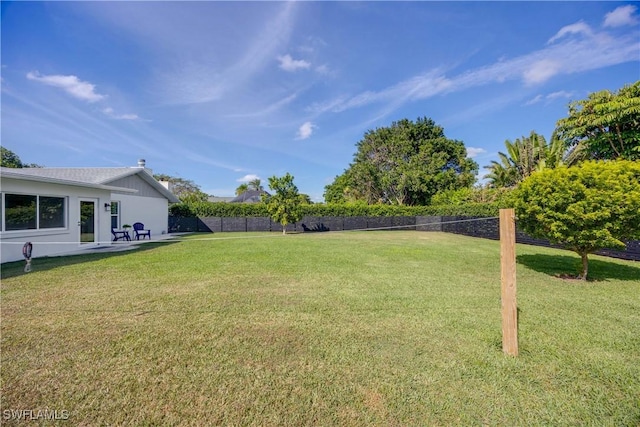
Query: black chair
(138, 228)
(117, 235)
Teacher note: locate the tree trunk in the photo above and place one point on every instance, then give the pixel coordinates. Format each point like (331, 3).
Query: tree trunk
(585, 266)
(284, 229)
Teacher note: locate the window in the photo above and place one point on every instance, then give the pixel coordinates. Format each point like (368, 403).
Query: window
(115, 215)
(32, 212)
(51, 212)
(20, 212)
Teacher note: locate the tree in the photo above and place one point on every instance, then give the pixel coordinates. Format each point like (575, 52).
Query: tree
(186, 190)
(284, 205)
(255, 184)
(405, 164)
(242, 188)
(584, 208)
(11, 160)
(340, 191)
(523, 157)
(605, 125)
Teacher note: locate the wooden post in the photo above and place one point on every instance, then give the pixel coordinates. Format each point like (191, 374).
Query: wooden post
(508, 281)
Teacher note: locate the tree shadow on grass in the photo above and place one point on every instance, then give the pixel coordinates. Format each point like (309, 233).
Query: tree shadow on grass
(562, 265)
(14, 269)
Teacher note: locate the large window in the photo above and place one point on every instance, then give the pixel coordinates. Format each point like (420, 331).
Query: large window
(29, 212)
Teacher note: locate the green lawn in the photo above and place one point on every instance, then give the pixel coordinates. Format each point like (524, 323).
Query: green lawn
(362, 328)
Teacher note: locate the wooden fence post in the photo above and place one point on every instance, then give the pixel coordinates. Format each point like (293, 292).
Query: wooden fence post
(508, 281)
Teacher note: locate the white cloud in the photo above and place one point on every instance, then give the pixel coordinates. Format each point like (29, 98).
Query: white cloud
(540, 71)
(70, 84)
(559, 94)
(534, 100)
(577, 28)
(109, 112)
(621, 16)
(248, 178)
(287, 63)
(474, 152)
(305, 130)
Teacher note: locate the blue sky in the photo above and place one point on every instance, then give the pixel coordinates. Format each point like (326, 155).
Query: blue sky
(223, 92)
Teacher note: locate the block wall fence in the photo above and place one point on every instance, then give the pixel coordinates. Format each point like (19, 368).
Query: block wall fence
(487, 228)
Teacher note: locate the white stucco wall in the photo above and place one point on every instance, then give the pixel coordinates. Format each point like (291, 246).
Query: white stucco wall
(153, 212)
(61, 240)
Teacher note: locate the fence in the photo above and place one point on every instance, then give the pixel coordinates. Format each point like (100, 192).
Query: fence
(487, 228)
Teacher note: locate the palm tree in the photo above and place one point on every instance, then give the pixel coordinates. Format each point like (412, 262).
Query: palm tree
(242, 188)
(524, 156)
(255, 184)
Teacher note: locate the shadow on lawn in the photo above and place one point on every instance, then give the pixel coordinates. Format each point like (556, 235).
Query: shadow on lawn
(13, 269)
(560, 265)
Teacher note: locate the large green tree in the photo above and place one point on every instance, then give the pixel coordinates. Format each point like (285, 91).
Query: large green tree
(405, 164)
(284, 205)
(606, 125)
(584, 208)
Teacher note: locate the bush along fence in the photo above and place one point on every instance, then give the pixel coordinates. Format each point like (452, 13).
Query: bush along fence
(474, 226)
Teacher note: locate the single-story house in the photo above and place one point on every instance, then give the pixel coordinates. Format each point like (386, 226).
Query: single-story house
(60, 210)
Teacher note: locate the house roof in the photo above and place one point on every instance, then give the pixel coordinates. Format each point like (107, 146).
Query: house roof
(249, 196)
(217, 199)
(88, 177)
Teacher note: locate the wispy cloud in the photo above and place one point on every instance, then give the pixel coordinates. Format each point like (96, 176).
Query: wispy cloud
(475, 152)
(269, 109)
(200, 79)
(110, 113)
(534, 100)
(561, 94)
(287, 63)
(75, 87)
(577, 28)
(305, 130)
(587, 51)
(621, 16)
(541, 71)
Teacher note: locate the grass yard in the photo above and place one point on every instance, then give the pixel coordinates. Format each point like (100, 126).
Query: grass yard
(362, 328)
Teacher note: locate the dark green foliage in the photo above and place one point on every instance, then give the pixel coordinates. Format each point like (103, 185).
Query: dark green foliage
(220, 209)
(404, 164)
(231, 210)
(604, 126)
(9, 159)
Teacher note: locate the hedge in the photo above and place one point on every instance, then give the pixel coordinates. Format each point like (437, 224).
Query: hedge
(241, 210)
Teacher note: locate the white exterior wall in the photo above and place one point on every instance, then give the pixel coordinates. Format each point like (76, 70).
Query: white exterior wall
(153, 212)
(61, 240)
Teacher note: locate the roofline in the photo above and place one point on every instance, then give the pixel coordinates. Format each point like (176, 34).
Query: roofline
(154, 182)
(13, 175)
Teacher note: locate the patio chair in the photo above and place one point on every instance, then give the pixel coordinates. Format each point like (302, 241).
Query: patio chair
(138, 229)
(120, 234)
